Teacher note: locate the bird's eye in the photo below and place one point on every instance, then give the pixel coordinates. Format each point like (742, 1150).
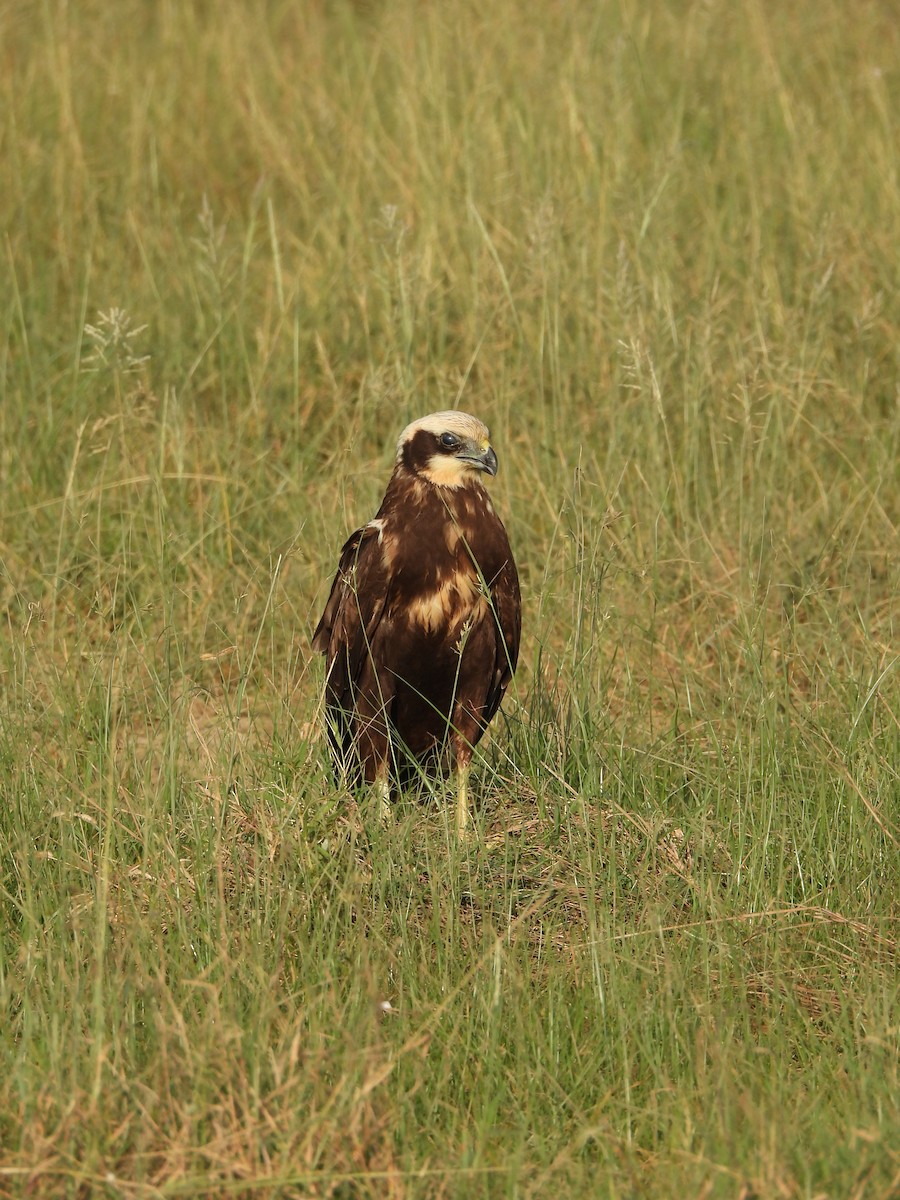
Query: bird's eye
(449, 441)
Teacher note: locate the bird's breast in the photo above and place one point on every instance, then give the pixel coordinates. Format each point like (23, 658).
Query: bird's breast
(440, 556)
(455, 600)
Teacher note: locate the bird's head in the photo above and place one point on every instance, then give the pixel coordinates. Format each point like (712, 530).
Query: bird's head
(449, 449)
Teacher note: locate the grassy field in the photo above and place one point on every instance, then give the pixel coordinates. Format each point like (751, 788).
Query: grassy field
(655, 246)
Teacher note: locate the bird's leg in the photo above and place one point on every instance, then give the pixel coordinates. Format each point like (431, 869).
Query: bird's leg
(463, 817)
(463, 736)
(383, 791)
(462, 758)
(374, 748)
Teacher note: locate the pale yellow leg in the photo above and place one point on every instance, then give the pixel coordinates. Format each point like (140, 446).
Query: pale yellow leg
(463, 817)
(383, 791)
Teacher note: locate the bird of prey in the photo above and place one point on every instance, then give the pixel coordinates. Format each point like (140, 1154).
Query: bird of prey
(421, 629)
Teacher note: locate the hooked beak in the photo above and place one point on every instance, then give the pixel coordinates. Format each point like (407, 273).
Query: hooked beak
(483, 460)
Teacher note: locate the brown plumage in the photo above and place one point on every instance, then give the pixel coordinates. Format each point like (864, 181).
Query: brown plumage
(421, 629)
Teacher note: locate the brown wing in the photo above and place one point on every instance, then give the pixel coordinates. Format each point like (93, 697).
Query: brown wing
(348, 625)
(507, 608)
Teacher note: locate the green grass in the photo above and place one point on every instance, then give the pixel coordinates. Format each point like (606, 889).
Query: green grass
(654, 246)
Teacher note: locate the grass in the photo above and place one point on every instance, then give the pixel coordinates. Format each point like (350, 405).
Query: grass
(654, 246)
